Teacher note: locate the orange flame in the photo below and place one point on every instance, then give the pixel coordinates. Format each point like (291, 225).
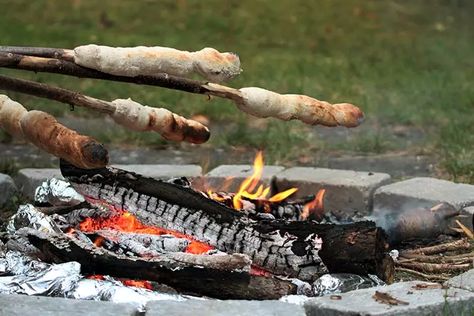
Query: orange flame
(314, 207)
(127, 222)
(135, 283)
(247, 187)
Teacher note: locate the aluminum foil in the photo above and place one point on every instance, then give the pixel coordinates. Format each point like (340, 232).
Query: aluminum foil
(16, 263)
(29, 216)
(39, 278)
(58, 193)
(20, 274)
(114, 291)
(343, 282)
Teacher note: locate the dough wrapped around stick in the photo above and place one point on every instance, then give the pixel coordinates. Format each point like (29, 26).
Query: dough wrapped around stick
(46, 133)
(171, 126)
(133, 61)
(264, 103)
(42, 130)
(10, 114)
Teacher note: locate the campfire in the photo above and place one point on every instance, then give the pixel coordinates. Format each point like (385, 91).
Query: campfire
(109, 234)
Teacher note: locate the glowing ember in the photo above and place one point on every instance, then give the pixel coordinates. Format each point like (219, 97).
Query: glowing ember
(315, 207)
(135, 283)
(126, 222)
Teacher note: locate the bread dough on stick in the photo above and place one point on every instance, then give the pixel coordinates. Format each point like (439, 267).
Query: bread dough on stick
(171, 126)
(264, 103)
(141, 60)
(42, 130)
(46, 133)
(10, 114)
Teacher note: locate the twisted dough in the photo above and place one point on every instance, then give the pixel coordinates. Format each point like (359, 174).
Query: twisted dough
(264, 103)
(42, 130)
(141, 60)
(171, 126)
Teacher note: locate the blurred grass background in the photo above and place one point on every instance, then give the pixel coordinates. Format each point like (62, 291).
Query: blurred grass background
(407, 64)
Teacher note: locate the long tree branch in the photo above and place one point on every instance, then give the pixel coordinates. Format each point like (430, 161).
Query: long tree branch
(60, 53)
(124, 112)
(255, 101)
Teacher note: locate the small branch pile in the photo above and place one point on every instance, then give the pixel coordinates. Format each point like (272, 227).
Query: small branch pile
(157, 66)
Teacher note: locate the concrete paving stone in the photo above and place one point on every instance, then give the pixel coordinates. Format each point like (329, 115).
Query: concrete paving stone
(346, 190)
(228, 177)
(27, 180)
(463, 281)
(7, 189)
(428, 301)
(425, 192)
(23, 305)
(215, 308)
(164, 172)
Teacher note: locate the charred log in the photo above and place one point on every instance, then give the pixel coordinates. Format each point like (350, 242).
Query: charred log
(281, 247)
(220, 276)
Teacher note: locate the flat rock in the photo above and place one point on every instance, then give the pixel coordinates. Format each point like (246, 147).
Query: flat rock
(214, 308)
(463, 281)
(432, 300)
(346, 190)
(163, 172)
(28, 179)
(7, 189)
(229, 177)
(23, 305)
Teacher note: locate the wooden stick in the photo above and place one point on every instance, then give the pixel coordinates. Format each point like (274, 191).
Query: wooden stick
(124, 112)
(66, 54)
(431, 277)
(434, 267)
(450, 246)
(255, 101)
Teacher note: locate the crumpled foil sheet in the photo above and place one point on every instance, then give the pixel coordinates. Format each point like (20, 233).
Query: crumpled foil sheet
(343, 282)
(20, 274)
(28, 216)
(58, 193)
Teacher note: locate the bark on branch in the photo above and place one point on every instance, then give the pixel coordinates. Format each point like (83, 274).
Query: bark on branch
(255, 101)
(124, 112)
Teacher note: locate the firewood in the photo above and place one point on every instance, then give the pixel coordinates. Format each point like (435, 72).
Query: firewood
(127, 113)
(220, 276)
(295, 249)
(430, 277)
(42, 130)
(133, 61)
(460, 244)
(252, 100)
(435, 267)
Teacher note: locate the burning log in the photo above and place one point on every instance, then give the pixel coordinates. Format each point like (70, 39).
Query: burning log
(252, 100)
(142, 245)
(220, 276)
(42, 130)
(294, 249)
(127, 113)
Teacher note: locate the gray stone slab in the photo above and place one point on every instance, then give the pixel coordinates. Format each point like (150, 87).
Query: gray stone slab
(164, 171)
(463, 281)
(425, 192)
(28, 179)
(7, 189)
(346, 190)
(215, 308)
(428, 301)
(228, 177)
(22, 305)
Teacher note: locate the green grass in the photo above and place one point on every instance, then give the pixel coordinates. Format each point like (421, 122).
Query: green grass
(403, 62)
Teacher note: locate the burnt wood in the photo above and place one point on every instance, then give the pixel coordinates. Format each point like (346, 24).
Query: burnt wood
(220, 276)
(304, 250)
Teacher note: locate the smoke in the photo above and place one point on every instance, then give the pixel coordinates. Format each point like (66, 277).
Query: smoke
(414, 220)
